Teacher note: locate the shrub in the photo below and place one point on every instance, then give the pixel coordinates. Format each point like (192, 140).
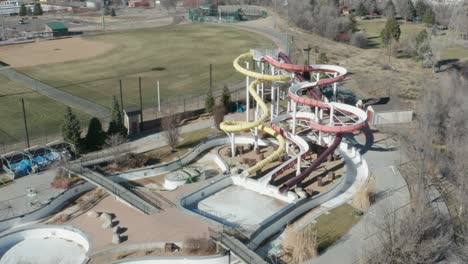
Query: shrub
(359, 40)
(61, 182)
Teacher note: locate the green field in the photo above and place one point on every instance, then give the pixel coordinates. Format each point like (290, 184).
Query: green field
(372, 29)
(182, 53)
(44, 115)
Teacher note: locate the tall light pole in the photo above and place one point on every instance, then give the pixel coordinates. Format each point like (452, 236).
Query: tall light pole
(103, 15)
(3, 27)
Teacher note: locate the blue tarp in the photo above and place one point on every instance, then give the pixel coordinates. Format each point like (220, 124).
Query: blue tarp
(22, 167)
(40, 160)
(52, 156)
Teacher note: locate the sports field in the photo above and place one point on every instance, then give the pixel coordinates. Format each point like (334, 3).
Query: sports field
(178, 56)
(44, 115)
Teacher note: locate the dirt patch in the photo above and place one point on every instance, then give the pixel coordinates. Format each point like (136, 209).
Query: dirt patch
(53, 51)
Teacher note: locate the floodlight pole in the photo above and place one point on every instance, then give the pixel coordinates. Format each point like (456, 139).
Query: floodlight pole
(103, 19)
(159, 98)
(308, 53)
(211, 76)
(25, 123)
(121, 96)
(3, 28)
(141, 102)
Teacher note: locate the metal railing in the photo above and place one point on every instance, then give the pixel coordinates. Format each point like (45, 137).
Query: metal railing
(114, 188)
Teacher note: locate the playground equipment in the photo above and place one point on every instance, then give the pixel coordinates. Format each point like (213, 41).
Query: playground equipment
(17, 163)
(31, 160)
(328, 121)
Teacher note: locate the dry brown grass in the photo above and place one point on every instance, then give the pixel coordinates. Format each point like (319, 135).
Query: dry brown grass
(364, 195)
(300, 245)
(199, 246)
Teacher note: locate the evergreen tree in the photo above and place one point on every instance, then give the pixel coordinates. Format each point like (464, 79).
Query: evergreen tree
(390, 32)
(95, 137)
(29, 11)
(71, 130)
(420, 7)
(37, 9)
(429, 17)
(352, 24)
(408, 10)
(113, 12)
(116, 125)
(209, 101)
(362, 10)
(323, 58)
(226, 97)
(23, 11)
(372, 7)
(106, 10)
(390, 9)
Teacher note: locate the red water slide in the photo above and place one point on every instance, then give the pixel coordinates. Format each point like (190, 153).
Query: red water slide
(295, 94)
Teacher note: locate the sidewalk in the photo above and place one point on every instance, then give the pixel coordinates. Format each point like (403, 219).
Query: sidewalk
(391, 192)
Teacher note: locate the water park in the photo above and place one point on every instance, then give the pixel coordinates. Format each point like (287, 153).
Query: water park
(283, 153)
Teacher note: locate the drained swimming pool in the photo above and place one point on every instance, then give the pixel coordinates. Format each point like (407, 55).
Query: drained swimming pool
(44, 245)
(239, 206)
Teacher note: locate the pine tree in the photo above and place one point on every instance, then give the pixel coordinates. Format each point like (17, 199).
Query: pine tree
(95, 137)
(37, 9)
(113, 12)
(352, 24)
(372, 7)
(23, 11)
(71, 130)
(420, 7)
(209, 101)
(391, 31)
(362, 10)
(226, 97)
(323, 58)
(408, 10)
(390, 9)
(116, 125)
(29, 11)
(429, 17)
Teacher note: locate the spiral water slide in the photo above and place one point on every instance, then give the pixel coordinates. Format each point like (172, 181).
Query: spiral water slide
(238, 126)
(355, 117)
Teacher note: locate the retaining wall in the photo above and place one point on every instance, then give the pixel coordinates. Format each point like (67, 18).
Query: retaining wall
(54, 205)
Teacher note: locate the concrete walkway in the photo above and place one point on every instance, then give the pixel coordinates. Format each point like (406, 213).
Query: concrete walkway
(58, 95)
(392, 194)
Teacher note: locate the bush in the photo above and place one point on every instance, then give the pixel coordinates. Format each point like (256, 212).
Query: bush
(359, 40)
(199, 246)
(61, 182)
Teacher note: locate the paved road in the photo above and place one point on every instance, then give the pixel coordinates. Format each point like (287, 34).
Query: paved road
(68, 99)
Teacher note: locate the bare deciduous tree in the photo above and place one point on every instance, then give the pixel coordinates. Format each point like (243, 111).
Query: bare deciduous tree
(218, 114)
(171, 130)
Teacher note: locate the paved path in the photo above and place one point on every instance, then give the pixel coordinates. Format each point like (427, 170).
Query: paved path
(65, 98)
(392, 193)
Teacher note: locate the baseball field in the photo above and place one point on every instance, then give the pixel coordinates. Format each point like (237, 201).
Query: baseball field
(91, 67)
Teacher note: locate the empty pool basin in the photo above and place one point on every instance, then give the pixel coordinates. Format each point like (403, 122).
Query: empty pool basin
(44, 244)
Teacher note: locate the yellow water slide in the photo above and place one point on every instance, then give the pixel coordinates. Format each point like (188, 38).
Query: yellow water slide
(238, 126)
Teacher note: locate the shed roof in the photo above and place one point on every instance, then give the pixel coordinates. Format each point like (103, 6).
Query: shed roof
(56, 25)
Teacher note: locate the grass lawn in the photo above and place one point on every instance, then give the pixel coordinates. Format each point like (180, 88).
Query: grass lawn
(178, 56)
(189, 140)
(44, 115)
(331, 227)
(372, 29)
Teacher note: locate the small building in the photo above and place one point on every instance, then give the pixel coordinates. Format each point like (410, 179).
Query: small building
(387, 111)
(132, 117)
(57, 29)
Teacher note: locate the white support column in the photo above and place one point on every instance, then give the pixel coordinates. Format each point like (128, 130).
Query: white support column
(298, 165)
(272, 112)
(255, 119)
(294, 118)
(334, 88)
(277, 100)
(233, 145)
(247, 95)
